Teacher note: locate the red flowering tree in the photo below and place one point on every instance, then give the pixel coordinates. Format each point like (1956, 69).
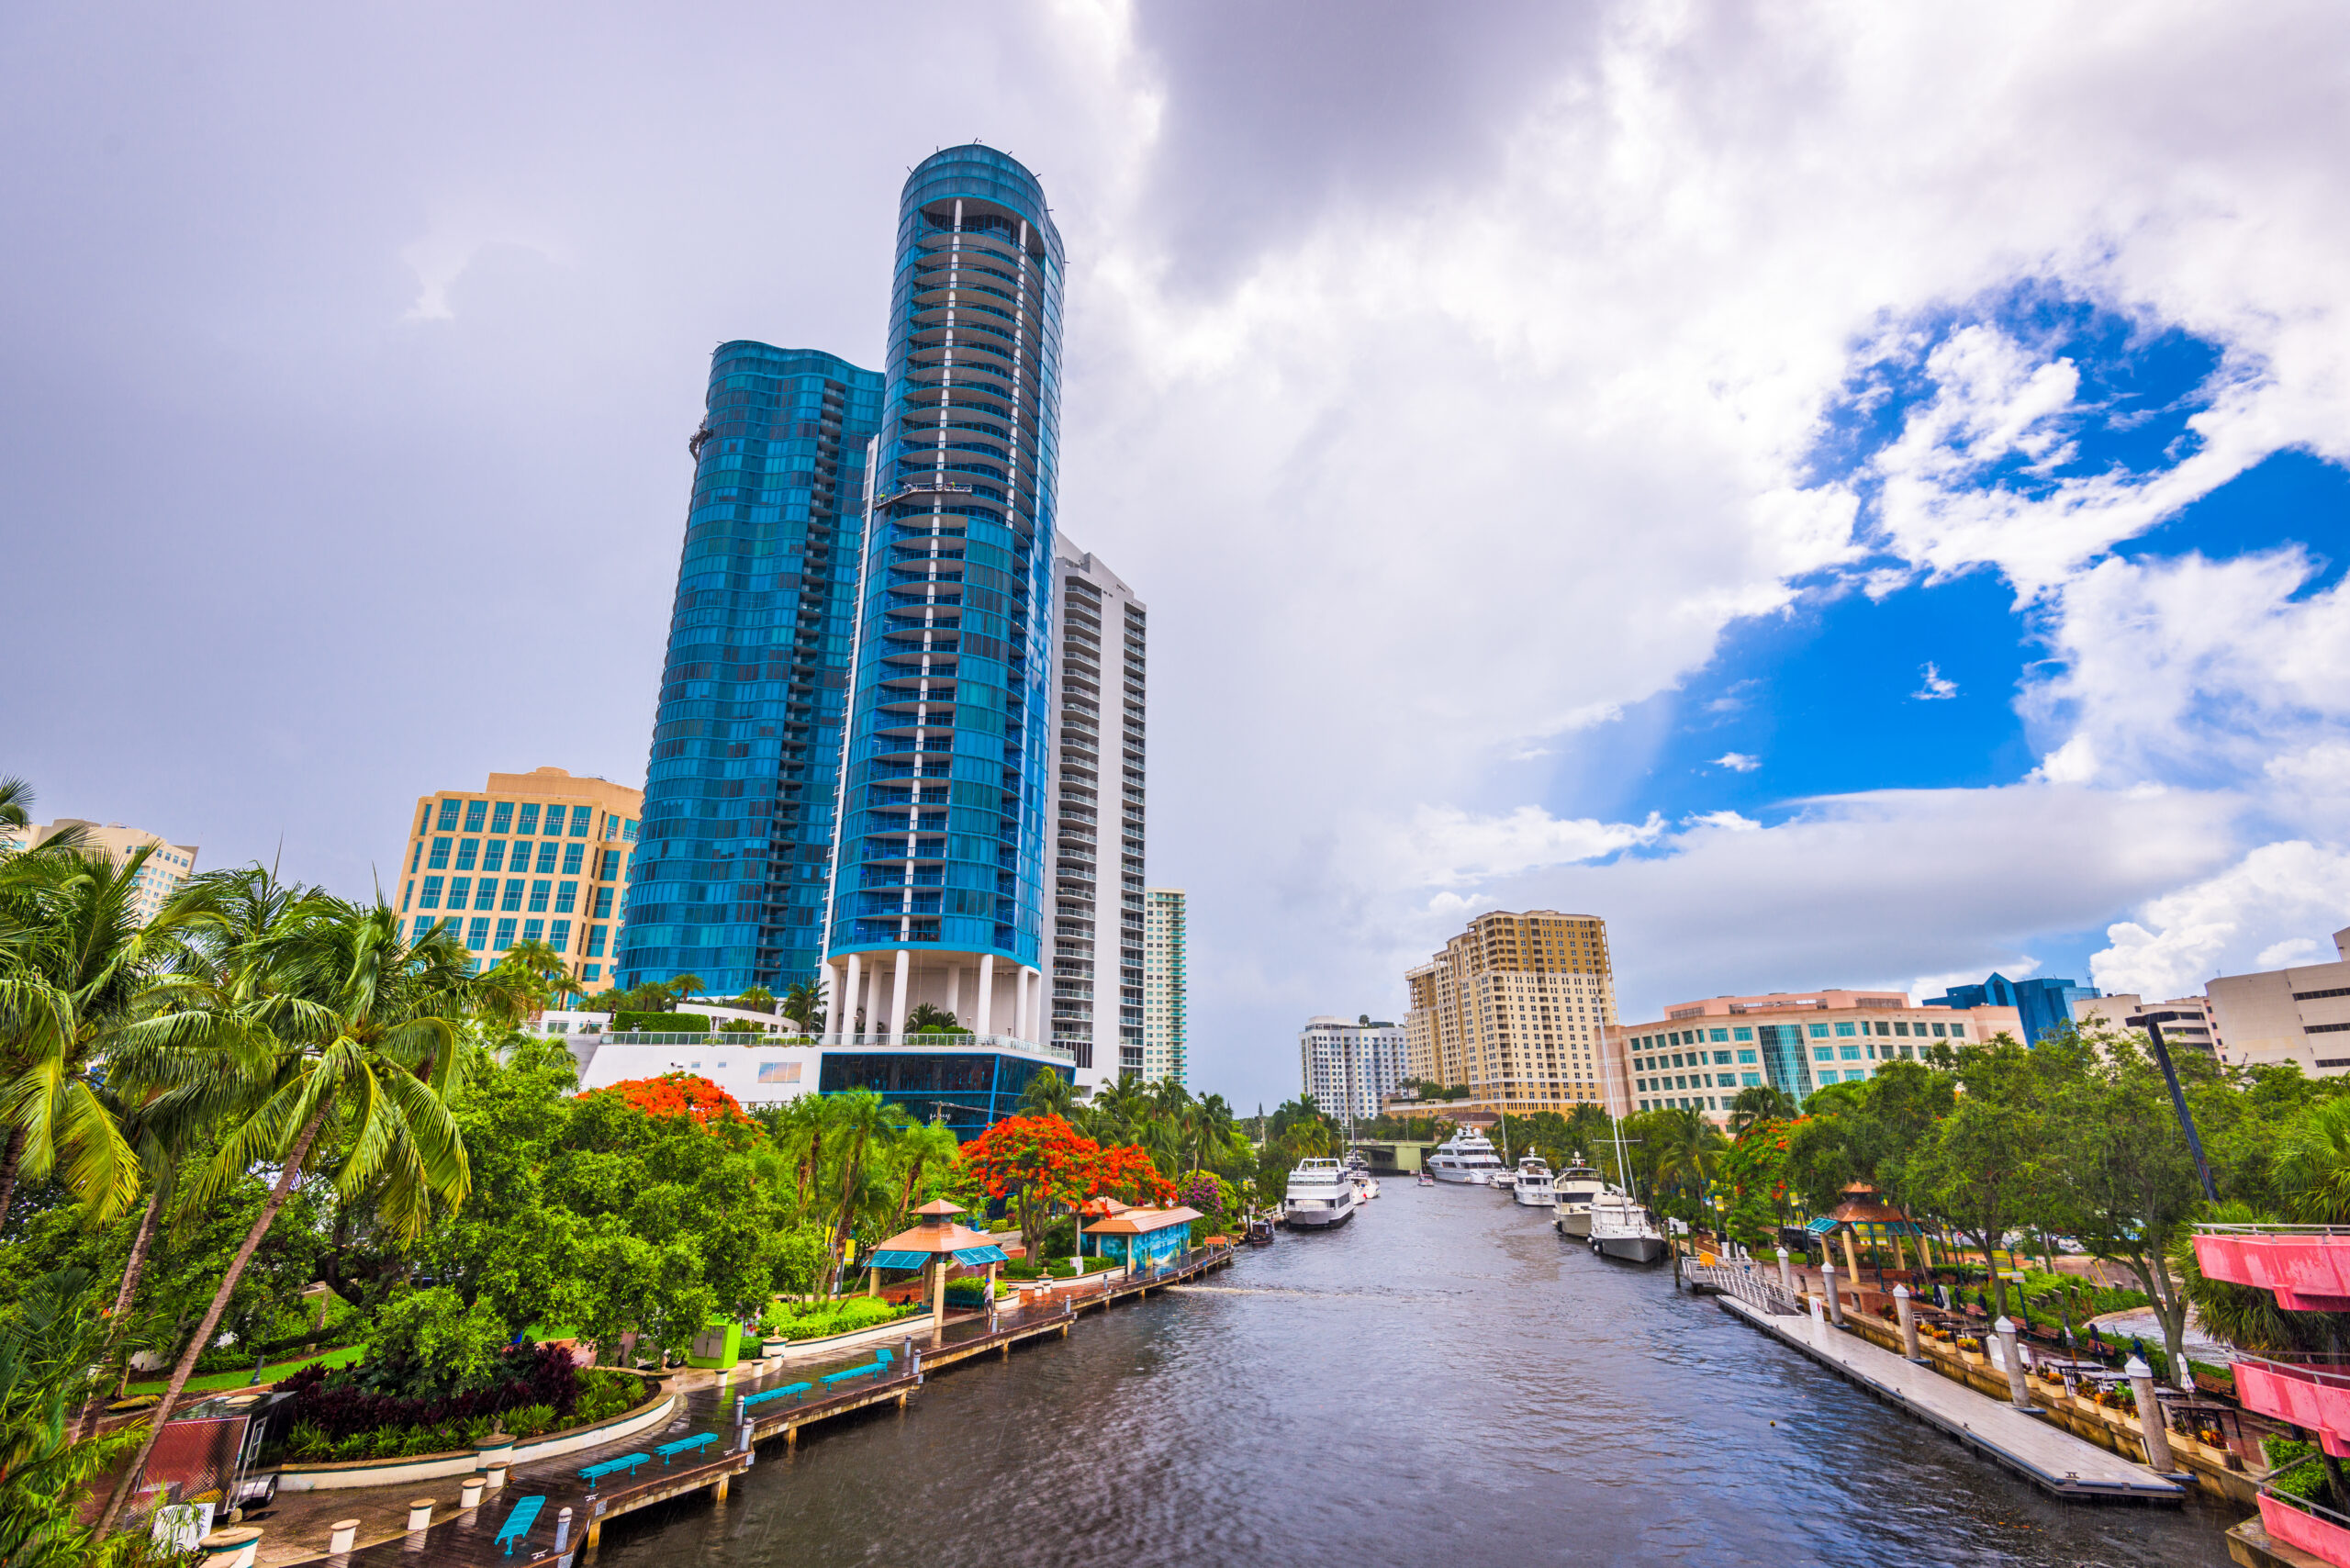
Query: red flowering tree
(1127, 1174)
(678, 1095)
(1033, 1164)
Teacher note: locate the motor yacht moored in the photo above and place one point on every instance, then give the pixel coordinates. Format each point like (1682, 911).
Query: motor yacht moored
(1320, 1193)
(1531, 1185)
(1620, 1229)
(1466, 1158)
(1574, 1189)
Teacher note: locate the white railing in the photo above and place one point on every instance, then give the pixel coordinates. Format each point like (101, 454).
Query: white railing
(748, 1040)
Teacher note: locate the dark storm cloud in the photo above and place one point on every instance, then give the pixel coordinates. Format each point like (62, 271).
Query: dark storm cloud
(1272, 111)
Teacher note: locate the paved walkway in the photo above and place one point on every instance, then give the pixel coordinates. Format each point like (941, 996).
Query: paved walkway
(296, 1528)
(2051, 1457)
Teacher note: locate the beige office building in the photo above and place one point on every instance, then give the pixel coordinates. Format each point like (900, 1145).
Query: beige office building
(2188, 1021)
(1517, 1008)
(537, 856)
(2298, 1016)
(167, 865)
(1700, 1054)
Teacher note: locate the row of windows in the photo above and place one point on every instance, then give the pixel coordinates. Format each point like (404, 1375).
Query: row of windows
(487, 895)
(491, 856)
(522, 817)
(497, 937)
(1819, 1032)
(1697, 1081)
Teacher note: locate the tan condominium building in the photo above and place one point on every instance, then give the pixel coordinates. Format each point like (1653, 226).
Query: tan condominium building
(1700, 1054)
(537, 856)
(2188, 1023)
(1516, 1009)
(2300, 1015)
(167, 864)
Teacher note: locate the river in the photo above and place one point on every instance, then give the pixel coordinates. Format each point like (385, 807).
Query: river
(1444, 1380)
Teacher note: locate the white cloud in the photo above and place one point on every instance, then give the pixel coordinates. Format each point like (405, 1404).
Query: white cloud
(1729, 822)
(1448, 848)
(2278, 894)
(1738, 761)
(1933, 686)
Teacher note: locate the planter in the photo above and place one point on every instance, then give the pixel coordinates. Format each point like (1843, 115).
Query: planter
(879, 1333)
(350, 1473)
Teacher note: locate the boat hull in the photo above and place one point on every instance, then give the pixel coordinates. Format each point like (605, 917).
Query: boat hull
(1319, 1219)
(1575, 1223)
(1461, 1178)
(1631, 1249)
(1534, 1200)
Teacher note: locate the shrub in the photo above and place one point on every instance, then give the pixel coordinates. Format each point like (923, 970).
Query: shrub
(846, 1315)
(529, 1420)
(663, 1023)
(355, 1402)
(604, 1394)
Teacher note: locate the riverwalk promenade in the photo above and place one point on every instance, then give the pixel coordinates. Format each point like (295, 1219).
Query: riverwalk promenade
(298, 1527)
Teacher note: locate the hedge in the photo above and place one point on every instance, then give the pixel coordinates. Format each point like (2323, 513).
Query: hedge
(662, 1023)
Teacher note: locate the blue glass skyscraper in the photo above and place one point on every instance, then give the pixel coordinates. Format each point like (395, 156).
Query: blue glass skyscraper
(938, 875)
(742, 785)
(2044, 1005)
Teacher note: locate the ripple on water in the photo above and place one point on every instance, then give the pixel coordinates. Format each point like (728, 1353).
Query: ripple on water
(1443, 1377)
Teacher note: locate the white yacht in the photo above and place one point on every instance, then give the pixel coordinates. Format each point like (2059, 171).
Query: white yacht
(1321, 1192)
(1575, 1190)
(1467, 1156)
(1531, 1186)
(1620, 1229)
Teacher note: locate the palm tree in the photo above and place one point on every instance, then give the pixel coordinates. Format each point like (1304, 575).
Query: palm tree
(859, 1120)
(78, 976)
(527, 978)
(328, 1020)
(928, 1020)
(47, 1345)
(15, 803)
(803, 1003)
(1759, 1102)
(1048, 1094)
(1210, 1127)
(757, 999)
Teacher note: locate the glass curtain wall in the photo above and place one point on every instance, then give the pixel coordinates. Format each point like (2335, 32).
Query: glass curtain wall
(741, 788)
(943, 806)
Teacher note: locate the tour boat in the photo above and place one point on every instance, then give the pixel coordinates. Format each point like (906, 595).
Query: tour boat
(1620, 1229)
(1466, 1157)
(1320, 1193)
(1575, 1187)
(1531, 1186)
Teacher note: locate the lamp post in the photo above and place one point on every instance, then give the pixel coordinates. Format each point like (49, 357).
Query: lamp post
(2177, 1099)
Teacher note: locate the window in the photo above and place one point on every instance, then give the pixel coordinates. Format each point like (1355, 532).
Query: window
(1751, 1079)
(1721, 1059)
(1820, 1031)
(1851, 1053)
(468, 849)
(534, 930)
(1746, 1058)
(1844, 1030)
(1958, 1031)
(417, 858)
(529, 826)
(477, 936)
(628, 833)
(1901, 1028)
(505, 936)
(571, 855)
(502, 818)
(1908, 1053)
(596, 940)
(476, 812)
(591, 971)
(547, 859)
(448, 822)
(1826, 1053)
(440, 854)
(459, 887)
(1720, 1035)
(486, 896)
(559, 936)
(513, 893)
(492, 854)
(432, 896)
(1742, 1034)
(567, 898)
(1938, 1031)
(579, 815)
(603, 903)
(778, 1073)
(406, 888)
(610, 867)
(423, 928)
(1884, 1029)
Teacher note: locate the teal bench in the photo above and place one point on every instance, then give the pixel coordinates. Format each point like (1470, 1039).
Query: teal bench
(793, 1388)
(685, 1445)
(620, 1466)
(518, 1523)
(830, 1378)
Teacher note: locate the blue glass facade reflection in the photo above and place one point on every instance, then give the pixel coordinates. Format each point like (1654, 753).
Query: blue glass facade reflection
(2045, 1003)
(943, 804)
(1786, 1065)
(970, 1091)
(730, 878)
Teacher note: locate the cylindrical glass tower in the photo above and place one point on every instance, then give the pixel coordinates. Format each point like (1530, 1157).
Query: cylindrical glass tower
(938, 872)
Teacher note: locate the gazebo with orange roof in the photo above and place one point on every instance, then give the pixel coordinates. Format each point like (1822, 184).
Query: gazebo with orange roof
(1863, 1206)
(937, 1243)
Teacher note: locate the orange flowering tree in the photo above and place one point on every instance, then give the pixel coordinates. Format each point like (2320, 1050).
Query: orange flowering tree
(1126, 1173)
(1033, 1164)
(678, 1095)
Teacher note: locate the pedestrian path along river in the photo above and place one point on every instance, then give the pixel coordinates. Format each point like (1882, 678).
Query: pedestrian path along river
(1442, 1379)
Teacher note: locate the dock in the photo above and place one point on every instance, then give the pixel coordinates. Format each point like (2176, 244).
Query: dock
(2051, 1458)
(468, 1536)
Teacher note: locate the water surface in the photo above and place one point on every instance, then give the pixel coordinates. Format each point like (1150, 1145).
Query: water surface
(1443, 1380)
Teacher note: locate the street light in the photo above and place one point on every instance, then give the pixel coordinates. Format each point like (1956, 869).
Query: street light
(2177, 1099)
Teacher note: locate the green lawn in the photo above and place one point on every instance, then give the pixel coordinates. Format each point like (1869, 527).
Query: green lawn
(218, 1381)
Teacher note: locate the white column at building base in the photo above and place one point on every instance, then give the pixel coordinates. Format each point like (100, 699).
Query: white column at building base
(852, 1001)
(985, 1022)
(897, 1030)
(835, 984)
(955, 991)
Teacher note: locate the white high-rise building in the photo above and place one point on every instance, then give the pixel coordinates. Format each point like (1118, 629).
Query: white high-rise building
(2300, 1015)
(1166, 1027)
(167, 865)
(1096, 920)
(1348, 1065)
